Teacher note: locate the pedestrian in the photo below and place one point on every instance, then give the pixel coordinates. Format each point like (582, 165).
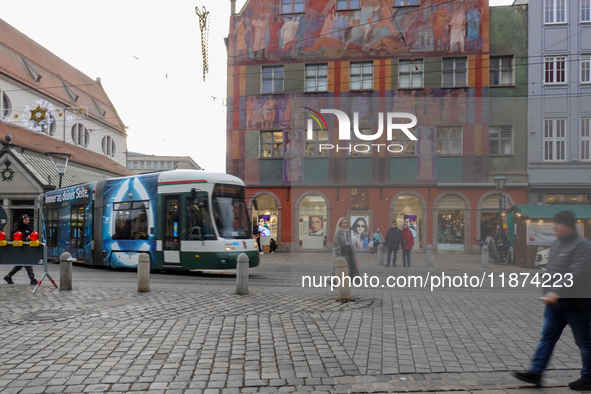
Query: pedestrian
(393, 241)
(377, 240)
(342, 248)
(22, 225)
(256, 234)
(273, 246)
(568, 301)
(408, 241)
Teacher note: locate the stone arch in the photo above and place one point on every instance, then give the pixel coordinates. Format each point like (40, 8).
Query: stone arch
(479, 207)
(425, 209)
(279, 213)
(296, 222)
(468, 220)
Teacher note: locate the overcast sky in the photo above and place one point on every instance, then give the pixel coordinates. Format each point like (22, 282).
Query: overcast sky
(148, 56)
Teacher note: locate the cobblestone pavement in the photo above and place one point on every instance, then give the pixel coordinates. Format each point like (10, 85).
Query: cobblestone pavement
(192, 334)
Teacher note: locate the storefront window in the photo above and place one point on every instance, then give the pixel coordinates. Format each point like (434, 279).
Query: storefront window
(489, 217)
(408, 209)
(451, 223)
(266, 217)
(313, 223)
(567, 199)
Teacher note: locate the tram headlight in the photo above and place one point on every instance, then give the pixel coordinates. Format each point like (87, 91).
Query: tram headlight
(229, 247)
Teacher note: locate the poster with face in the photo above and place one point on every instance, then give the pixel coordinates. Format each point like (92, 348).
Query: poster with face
(264, 226)
(359, 231)
(316, 225)
(413, 224)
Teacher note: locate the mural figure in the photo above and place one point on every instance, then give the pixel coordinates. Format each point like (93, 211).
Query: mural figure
(439, 22)
(240, 33)
(325, 41)
(260, 28)
(473, 18)
(293, 168)
(288, 35)
(426, 163)
(457, 31)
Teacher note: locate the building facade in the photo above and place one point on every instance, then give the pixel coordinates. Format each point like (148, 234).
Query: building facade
(436, 60)
(81, 125)
(141, 163)
(560, 105)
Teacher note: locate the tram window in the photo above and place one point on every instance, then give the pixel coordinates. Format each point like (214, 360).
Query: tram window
(198, 222)
(77, 226)
(51, 226)
(131, 220)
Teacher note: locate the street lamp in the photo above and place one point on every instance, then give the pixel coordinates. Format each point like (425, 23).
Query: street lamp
(500, 182)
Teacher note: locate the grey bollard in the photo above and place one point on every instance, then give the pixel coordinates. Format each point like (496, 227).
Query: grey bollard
(429, 255)
(65, 271)
(242, 274)
(484, 259)
(143, 273)
(341, 271)
(381, 254)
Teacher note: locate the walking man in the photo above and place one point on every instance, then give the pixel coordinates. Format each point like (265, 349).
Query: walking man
(26, 229)
(393, 241)
(568, 302)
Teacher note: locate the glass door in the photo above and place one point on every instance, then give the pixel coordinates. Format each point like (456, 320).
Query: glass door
(171, 240)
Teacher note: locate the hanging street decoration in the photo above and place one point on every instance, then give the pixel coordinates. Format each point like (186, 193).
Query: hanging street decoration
(40, 115)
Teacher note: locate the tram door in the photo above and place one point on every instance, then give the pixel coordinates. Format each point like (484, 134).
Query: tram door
(171, 237)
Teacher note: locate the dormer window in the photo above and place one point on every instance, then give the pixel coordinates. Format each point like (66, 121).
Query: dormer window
(99, 109)
(71, 93)
(32, 71)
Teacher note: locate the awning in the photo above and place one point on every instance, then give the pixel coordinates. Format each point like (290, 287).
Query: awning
(548, 211)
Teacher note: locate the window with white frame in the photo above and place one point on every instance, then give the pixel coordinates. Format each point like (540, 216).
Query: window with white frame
(585, 10)
(135, 165)
(500, 140)
(554, 11)
(585, 138)
(554, 69)
(404, 3)
(156, 165)
(348, 4)
(455, 72)
(501, 71)
(361, 75)
(313, 144)
(410, 73)
(5, 105)
(555, 139)
(292, 6)
(401, 139)
(80, 135)
(108, 146)
(316, 77)
(272, 79)
(585, 68)
(449, 140)
(271, 144)
(360, 147)
(142, 165)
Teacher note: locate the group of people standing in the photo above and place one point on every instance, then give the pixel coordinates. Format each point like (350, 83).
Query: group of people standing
(395, 239)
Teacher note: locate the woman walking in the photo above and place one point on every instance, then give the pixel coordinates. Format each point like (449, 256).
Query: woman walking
(342, 248)
(408, 241)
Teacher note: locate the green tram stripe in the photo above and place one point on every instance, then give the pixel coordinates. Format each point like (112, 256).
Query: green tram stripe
(181, 182)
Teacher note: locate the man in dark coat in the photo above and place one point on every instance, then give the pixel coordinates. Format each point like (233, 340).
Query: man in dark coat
(568, 301)
(22, 225)
(393, 242)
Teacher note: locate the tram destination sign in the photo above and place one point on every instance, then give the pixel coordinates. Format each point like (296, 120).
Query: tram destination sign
(74, 194)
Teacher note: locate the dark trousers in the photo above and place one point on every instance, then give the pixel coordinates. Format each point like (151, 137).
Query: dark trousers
(406, 257)
(390, 252)
(555, 319)
(17, 268)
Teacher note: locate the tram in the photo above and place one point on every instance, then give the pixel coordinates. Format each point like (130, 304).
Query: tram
(184, 219)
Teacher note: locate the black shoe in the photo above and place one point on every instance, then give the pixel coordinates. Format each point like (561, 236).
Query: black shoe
(8, 280)
(33, 282)
(582, 384)
(528, 377)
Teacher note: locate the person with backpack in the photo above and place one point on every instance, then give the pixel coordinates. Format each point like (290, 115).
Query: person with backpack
(23, 226)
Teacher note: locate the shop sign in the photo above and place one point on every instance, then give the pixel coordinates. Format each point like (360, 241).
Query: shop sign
(452, 201)
(542, 233)
(450, 246)
(492, 202)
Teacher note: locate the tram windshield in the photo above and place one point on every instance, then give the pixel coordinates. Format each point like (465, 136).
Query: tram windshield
(229, 212)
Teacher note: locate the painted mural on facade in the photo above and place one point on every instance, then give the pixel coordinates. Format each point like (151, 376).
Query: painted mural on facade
(262, 32)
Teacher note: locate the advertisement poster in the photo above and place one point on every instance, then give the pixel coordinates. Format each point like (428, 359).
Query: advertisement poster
(359, 231)
(264, 225)
(413, 224)
(316, 225)
(543, 233)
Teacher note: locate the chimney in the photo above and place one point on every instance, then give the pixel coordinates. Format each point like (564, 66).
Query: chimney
(233, 7)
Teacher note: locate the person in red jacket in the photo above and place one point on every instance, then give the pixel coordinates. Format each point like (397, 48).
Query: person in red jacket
(407, 244)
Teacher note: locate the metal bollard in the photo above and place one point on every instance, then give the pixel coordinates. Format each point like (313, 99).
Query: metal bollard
(65, 271)
(242, 274)
(429, 255)
(381, 254)
(342, 271)
(143, 273)
(484, 259)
